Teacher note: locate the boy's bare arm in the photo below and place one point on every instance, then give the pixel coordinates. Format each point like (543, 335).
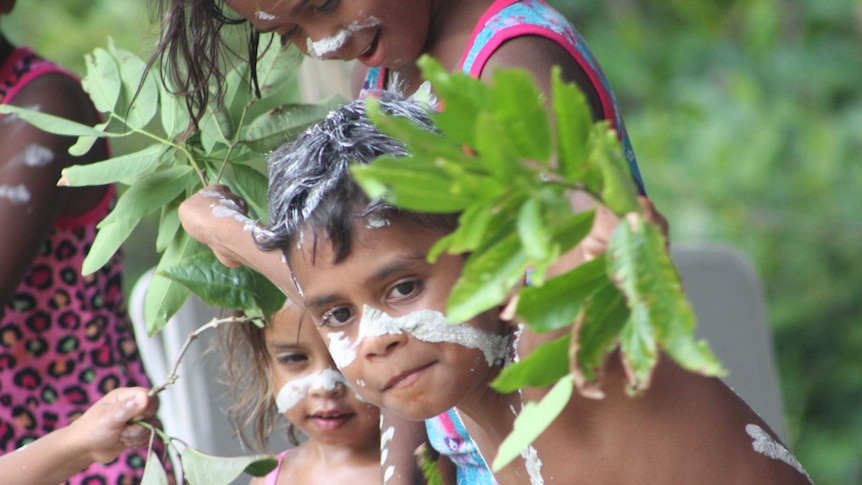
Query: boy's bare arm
(217, 218)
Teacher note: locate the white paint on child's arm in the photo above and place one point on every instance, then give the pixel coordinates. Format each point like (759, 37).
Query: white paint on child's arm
(296, 390)
(17, 194)
(227, 207)
(329, 45)
(36, 155)
(765, 444)
(385, 438)
(260, 14)
(533, 465)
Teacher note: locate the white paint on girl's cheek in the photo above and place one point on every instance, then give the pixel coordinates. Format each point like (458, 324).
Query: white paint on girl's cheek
(329, 45)
(360, 383)
(764, 443)
(296, 390)
(432, 326)
(36, 155)
(17, 194)
(260, 14)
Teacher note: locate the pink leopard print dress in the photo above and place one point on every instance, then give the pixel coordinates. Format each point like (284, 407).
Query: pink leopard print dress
(65, 339)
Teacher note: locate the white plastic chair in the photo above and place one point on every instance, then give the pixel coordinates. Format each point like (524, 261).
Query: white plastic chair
(725, 291)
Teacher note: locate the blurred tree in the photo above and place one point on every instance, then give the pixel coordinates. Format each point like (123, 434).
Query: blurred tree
(745, 116)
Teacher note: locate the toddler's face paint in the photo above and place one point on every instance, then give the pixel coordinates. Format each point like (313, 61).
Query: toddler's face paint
(330, 45)
(296, 390)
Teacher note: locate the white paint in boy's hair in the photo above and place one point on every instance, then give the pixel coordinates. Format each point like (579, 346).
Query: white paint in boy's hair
(296, 390)
(765, 444)
(426, 325)
(260, 14)
(17, 194)
(329, 45)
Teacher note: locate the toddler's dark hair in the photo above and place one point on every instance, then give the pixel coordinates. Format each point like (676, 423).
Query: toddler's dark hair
(310, 182)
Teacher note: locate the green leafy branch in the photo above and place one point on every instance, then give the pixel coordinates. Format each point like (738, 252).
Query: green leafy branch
(509, 165)
(176, 161)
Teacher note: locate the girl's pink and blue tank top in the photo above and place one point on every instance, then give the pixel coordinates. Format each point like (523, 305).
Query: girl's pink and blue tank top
(447, 435)
(508, 19)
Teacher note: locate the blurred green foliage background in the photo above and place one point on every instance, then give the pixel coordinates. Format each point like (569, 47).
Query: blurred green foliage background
(747, 119)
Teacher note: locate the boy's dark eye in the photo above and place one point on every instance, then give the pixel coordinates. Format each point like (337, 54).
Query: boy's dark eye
(404, 290)
(327, 6)
(337, 317)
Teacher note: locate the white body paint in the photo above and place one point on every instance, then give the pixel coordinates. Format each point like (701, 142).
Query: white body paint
(225, 207)
(295, 391)
(764, 443)
(385, 438)
(426, 325)
(376, 222)
(260, 14)
(330, 45)
(17, 194)
(533, 465)
(36, 155)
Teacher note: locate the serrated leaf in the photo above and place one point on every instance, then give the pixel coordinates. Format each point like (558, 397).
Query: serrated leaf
(54, 124)
(619, 190)
(487, 279)
(411, 183)
(519, 110)
(125, 167)
(233, 288)
(556, 303)
(531, 229)
(462, 97)
(164, 296)
(532, 421)
(495, 148)
(151, 192)
(661, 316)
(102, 81)
(543, 367)
(595, 335)
(573, 121)
(203, 469)
(281, 125)
(108, 240)
(154, 472)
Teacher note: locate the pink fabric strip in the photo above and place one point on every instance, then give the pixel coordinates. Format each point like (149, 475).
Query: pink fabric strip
(494, 9)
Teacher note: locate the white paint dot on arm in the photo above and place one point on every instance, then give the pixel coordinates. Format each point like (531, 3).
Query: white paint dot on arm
(16, 194)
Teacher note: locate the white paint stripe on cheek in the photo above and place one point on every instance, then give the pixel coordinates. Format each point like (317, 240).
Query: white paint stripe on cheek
(17, 194)
(432, 326)
(764, 443)
(329, 45)
(295, 391)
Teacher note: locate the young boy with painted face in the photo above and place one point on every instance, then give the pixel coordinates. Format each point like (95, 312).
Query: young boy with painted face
(360, 268)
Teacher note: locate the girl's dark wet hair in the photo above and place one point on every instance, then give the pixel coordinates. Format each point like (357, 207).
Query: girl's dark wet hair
(310, 182)
(192, 51)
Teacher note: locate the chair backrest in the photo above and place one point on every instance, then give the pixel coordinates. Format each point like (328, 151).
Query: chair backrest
(725, 291)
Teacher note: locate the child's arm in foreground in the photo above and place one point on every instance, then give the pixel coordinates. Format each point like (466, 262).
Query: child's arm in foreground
(99, 435)
(217, 218)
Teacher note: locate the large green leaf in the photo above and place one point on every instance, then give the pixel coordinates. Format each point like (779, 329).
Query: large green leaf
(53, 124)
(203, 469)
(143, 89)
(125, 167)
(277, 68)
(234, 288)
(532, 421)
(520, 112)
(463, 97)
(108, 240)
(556, 303)
(151, 192)
(164, 296)
(173, 112)
(252, 186)
(542, 368)
(573, 127)
(102, 82)
(169, 224)
(154, 472)
(619, 192)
